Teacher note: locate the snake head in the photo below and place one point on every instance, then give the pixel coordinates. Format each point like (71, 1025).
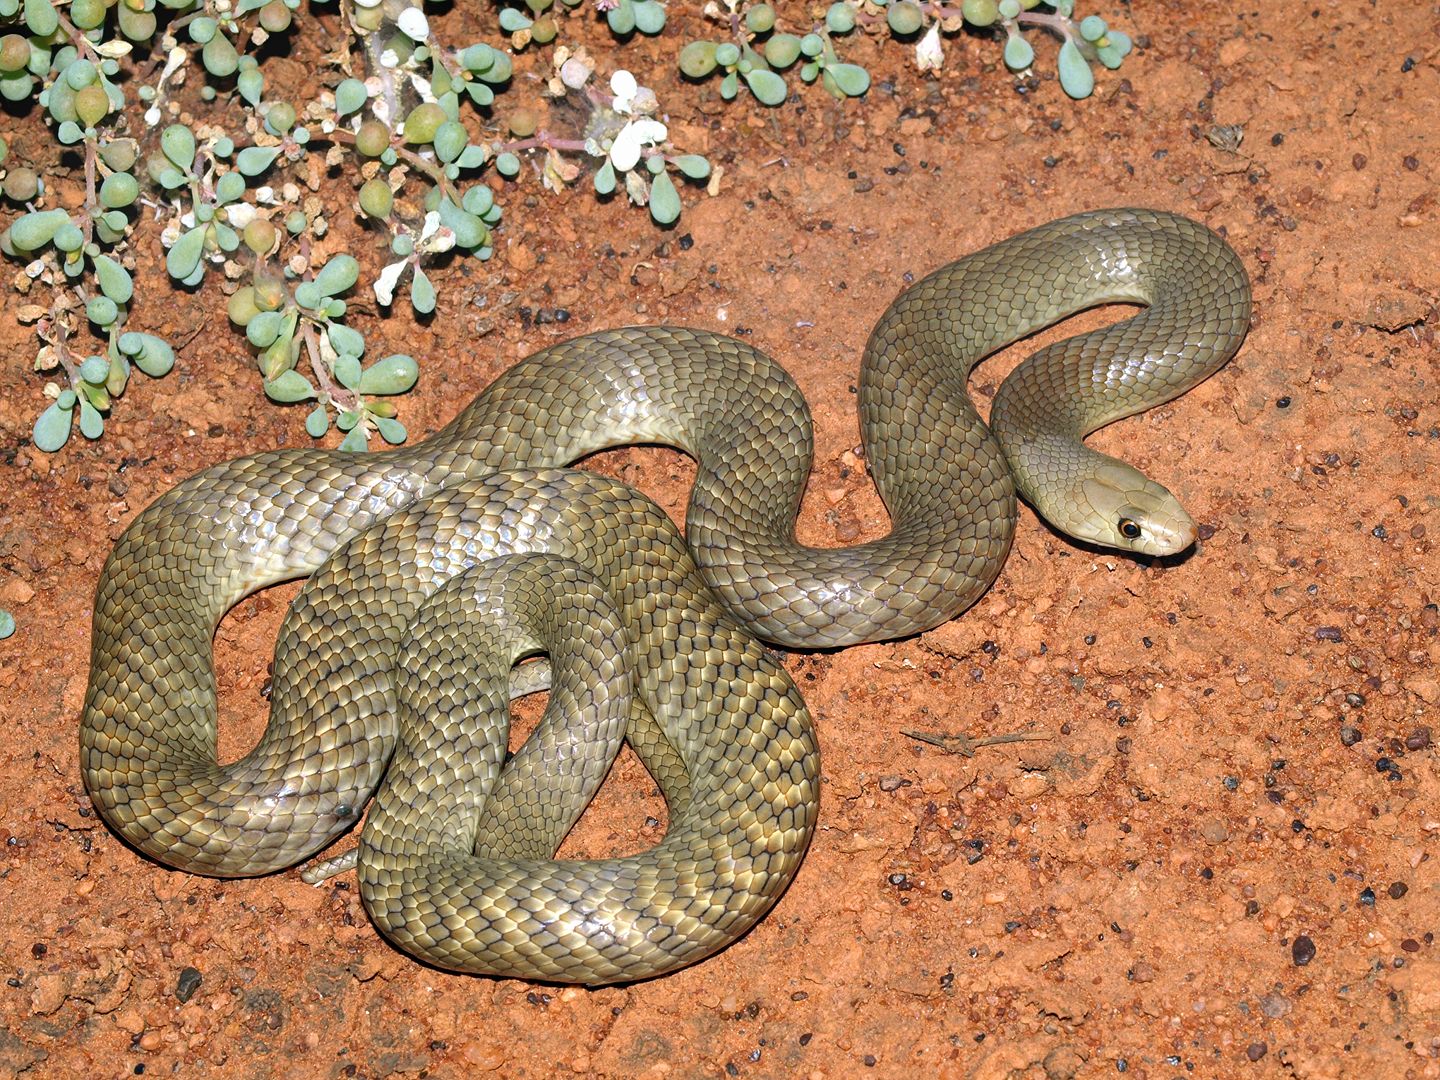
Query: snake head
(1131, 512)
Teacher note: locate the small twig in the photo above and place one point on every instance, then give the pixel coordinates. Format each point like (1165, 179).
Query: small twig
(195, 331)
(541, 140)
(965, 745)
(342, 397)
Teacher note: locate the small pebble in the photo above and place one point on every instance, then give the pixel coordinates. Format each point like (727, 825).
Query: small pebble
(1214, 830)
(1328, 633)
(1418, 739)
(188, 982)
(1275, 1006)
(1256, 1051)
(1349, 736)
(485, 1058)
(893, 783)
(151, 1041)
(1398, 889)
(1303, 950)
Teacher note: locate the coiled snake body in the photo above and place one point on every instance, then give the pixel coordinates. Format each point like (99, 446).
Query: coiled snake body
(645, 638)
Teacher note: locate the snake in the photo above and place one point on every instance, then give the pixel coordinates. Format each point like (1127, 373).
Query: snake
(434, 570)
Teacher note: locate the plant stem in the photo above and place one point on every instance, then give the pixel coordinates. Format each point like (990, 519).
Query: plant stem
(91, 201)
(345, 399)
(541, 140)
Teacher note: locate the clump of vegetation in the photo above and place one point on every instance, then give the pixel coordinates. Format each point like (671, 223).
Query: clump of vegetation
(757, 50)
(240, 198)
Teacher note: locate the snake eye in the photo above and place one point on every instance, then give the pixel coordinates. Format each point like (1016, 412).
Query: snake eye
(1129, 529)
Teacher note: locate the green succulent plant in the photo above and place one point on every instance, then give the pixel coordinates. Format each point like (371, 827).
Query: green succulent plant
(233, 194)
(757, 53)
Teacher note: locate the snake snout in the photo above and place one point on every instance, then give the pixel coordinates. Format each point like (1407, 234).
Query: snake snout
(1169, 533)
(1131, 512)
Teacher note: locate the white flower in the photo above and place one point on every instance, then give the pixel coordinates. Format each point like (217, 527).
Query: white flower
(173, 60)
(633, 137)
(386, 282)
(240, 214)
(929, 56)
(434, 236)
(624, 87)
(413, 24)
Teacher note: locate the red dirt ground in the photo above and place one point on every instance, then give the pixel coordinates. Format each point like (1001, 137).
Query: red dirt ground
(1219, 856)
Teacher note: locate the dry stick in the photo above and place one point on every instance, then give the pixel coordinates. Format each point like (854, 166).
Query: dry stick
(963, 744)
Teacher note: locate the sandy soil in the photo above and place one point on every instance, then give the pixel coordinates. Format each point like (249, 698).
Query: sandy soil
(1216, 857)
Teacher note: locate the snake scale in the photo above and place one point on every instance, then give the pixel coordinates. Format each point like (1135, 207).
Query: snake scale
(434, 568)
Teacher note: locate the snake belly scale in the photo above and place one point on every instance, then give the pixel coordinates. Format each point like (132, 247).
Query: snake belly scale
(480, 522)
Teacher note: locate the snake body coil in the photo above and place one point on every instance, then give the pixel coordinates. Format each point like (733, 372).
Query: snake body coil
(479, 521)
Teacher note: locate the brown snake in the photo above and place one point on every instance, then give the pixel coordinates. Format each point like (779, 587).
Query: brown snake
(437, 566)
